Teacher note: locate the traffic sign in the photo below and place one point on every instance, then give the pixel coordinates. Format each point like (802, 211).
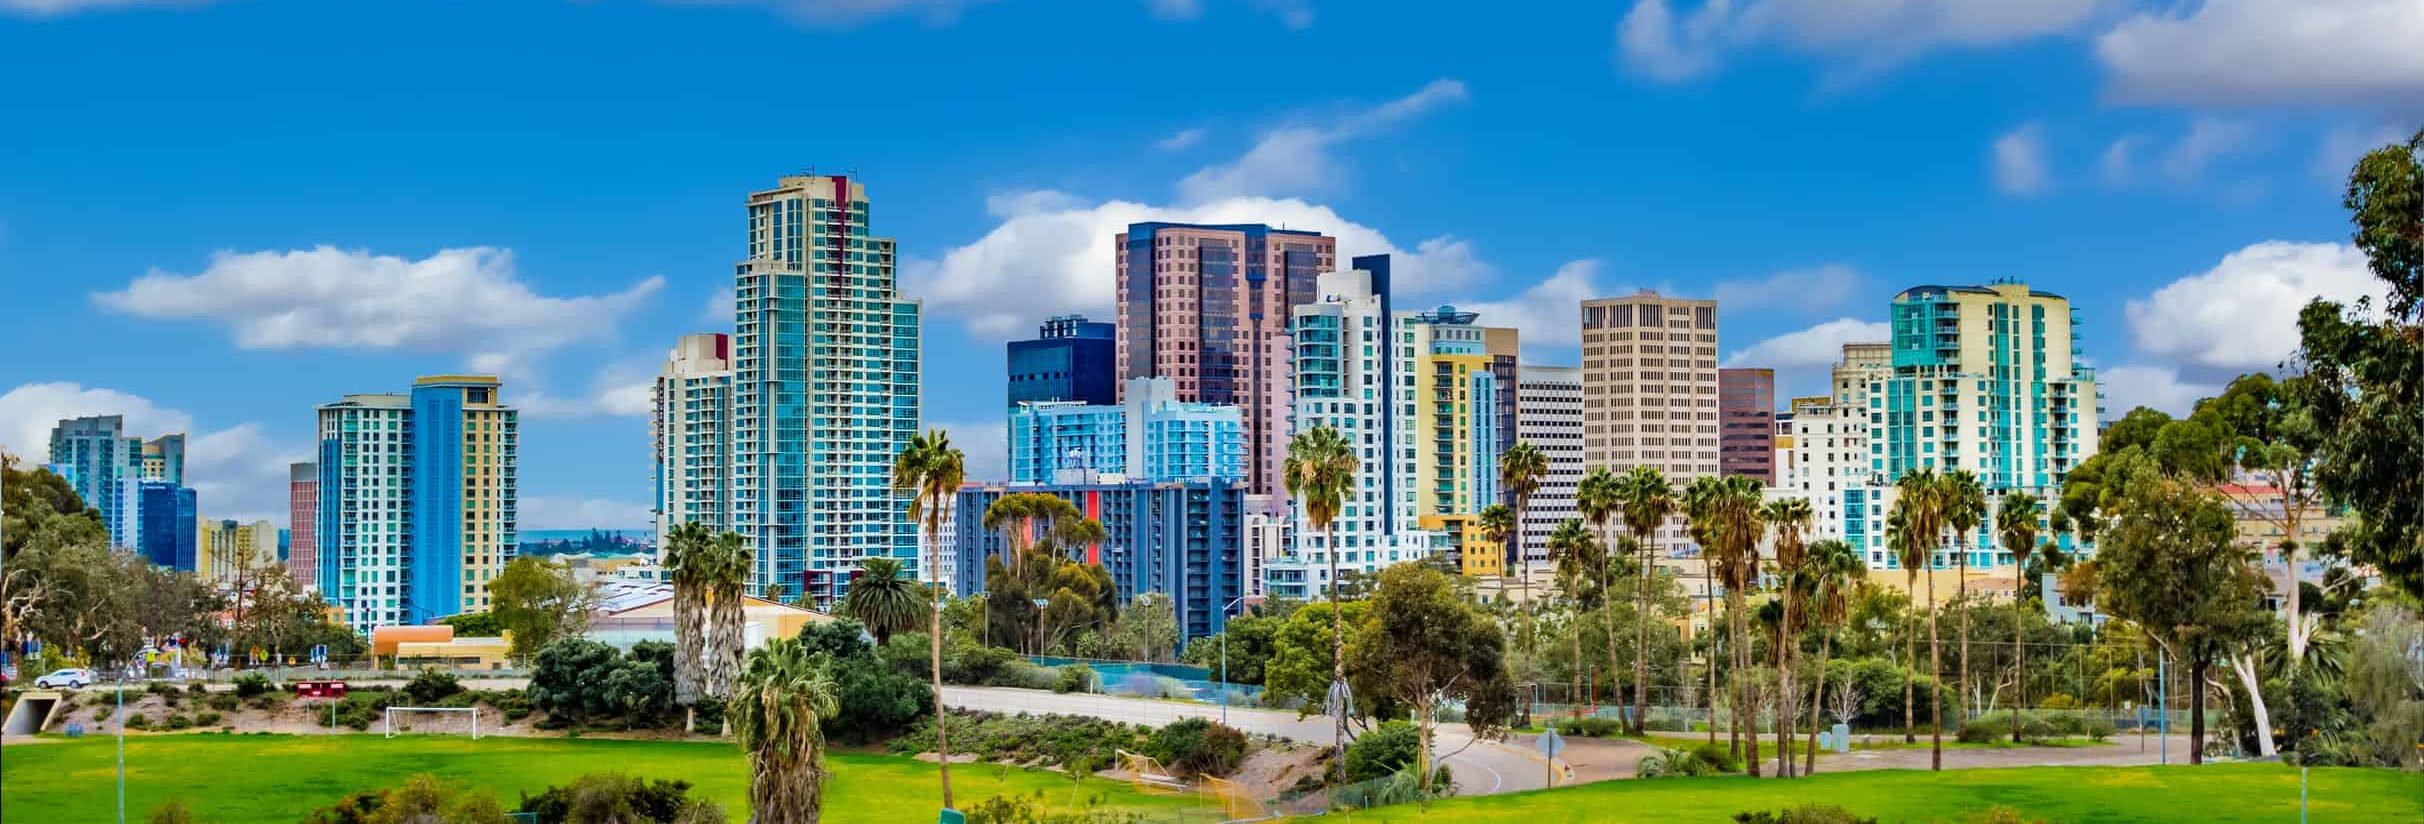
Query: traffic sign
(1550, 744)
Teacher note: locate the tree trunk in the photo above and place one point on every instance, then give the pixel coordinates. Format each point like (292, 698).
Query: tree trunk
(2196, 711)
(934, 667)
(1422, 754)
(1708, 595)
(2244, 665)
(2020, 664)
(1826, 652)
(1743, 687)
(1607, 622)
(1910, 658)
(1641, 646)
(1785, 696)
(1338, 659)
(1962, 699)
(1935, 675)
(1531, 664)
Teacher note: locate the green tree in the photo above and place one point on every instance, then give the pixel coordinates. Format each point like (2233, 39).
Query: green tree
(2016, 524)
(1521, 469)
(1578, 559)
(883, 598)
(1644, 500)
(2170, 562)
(1791, 519)
(1319, 471)
(1832, 572)
(930, 470)
(568, 679)
(1596, 498)
(686, 547)
(1921, 501)
(1421, 644)
(778, 714)
(537, 602)
(1148, 628)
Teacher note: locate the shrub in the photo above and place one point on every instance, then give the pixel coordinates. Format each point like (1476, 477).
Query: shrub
(569, 679)
(223, 702)
(1051, 739)
(422, 798)
(877, 701)
(1197, 746)
(429, 686)
(251, 684)
(206, 719)
(173, 812)
(179, 721)
(1382, 752)
(196, 688)
(840, 638)
(1023, 675)
(138, 722)
(1803, 814)
(1021, 809)
(617, 797)
(2058, 701)
(1718, 757)
(1674, 762)
(639, 690)
(2098, 729)
(1986, 729)
(1074, 678)
(1594, 726)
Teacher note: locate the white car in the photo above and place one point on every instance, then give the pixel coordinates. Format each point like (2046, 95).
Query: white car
(71, 678)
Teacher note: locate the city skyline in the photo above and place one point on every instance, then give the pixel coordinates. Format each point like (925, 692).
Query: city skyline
(575, 303)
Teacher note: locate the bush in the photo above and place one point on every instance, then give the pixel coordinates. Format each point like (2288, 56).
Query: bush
(180, 721)
(422, 798)
(2000, 814)
(1022, 674)
(1594, 727)
(605, 797)
(840, 638)
(224, 702)
(877, 701)
(138, 722)
(2098, 729)
(251, 684)
(1382, 752)
(1998, 727)
(173, 812)
(1021, 809)
(1074, 678)
(1197, 746)
(1057, 740)
(1804, 814)
(430, 686)
(569, 679)
(1673, 762)
(206, 719)
(1718, 757)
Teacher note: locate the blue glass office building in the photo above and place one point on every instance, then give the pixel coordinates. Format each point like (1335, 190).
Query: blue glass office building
(1183, 539)
(1070, 359)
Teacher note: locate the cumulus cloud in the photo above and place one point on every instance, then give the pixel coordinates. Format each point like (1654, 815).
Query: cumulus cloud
(721, 306)
(1183, 139)
(237, 472)
(1052, 254)
(578, 512)
(983, 445)
(1814, 290)
(1549, 313)
(2242, 314)
(2251, 52)
(2121, 159)
(2207, 140)
(2161, 387)
(2020, 161)
(1657, 41)
(843, 13)
(1819, 345)
(1298, 159)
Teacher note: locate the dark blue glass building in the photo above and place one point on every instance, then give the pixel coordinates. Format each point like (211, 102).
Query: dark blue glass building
(165, 515)
(1070, 359)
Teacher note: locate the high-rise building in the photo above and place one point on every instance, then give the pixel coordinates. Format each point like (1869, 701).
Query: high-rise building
(1208, 307)
(230, 553)
(1456, 413)
(1354, 371)
(1269, 533)
(1649, 388)
(1746, 424)
(302, 518)
(417, 500)
(691, 430)
(1151, 436)
(1549, 416)
(1070, 359)
(825, 384)
(160, 519)
(1184, 539)
(96, 456)
(1505, 344)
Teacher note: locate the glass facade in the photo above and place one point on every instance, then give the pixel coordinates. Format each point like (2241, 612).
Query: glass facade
(1183, 539)
(1070, 359)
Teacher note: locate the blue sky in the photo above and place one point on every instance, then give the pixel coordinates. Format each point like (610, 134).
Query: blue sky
(215, 215)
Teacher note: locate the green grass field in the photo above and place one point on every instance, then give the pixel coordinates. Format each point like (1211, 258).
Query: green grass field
(2212, 793)
(271, 778)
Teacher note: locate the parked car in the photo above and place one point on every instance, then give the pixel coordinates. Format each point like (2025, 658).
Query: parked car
(71, 678)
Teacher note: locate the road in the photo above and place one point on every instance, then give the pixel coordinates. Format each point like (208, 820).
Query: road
(1482, 768)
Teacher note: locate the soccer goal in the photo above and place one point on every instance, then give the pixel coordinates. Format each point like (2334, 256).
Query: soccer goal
(446, 720)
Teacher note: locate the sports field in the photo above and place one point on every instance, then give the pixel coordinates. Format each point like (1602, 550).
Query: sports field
(274, 778)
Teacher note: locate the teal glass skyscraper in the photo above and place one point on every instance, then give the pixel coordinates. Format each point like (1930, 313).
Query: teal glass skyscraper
(824, 390)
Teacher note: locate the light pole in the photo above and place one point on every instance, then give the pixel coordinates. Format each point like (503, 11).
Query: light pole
(1224, 652)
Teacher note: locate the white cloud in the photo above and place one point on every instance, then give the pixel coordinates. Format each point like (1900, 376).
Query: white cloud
(1549, 314)
(1046, 261)
(1814, 290)
(2129, 387)
(2120, 159)
(2020, 162)
(842, 13)
(1176, 9)
(721, 306)
(45, 8)
(237, 472)
(2295, 52)
(2208, 139)
(576, 512)
(1820, 345)
(2242, 314)
(984, 447)
(1860, 37)
(1183, 139)
(1296, 159)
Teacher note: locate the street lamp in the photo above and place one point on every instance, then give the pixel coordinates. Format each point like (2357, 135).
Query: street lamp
(1248, 600)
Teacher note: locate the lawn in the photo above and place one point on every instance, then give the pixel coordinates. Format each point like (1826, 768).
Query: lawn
(2212, 793)
(273, 778)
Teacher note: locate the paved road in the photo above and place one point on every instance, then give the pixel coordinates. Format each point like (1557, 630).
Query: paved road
(1481, 769)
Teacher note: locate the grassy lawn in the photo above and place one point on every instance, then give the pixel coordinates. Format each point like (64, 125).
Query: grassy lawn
(1767, 743)
(2214, 793)
(229, 778)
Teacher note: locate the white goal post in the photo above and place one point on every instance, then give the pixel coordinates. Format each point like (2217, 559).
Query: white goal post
(474, 712)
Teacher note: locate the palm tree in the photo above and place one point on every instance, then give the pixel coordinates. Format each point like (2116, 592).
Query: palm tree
(1319, 470)
(683, 545)
(883, 598)
(1740, 523)
(1833, 571)
(1498, 526)
(930, 470)
(1574, 550)
(725, 569)
(1597, 499)
(1963, 503)
(1911, 553)
(1520, 470)
(1923, 501)
(2016, 523)
(778, 715)
(1791, 518)
(1644, 500)
(1701, 506)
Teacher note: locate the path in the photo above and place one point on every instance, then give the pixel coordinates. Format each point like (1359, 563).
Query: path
(1482, 768)
(2122, 751)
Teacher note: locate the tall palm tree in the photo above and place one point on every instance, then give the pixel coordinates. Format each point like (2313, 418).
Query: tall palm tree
(683, 545)
(1597, 499)
(1574, 551)
(883, 598)
(1791, 519)
(778, 715)
(1520, 470)
(1922, 499)
(1963, 501)
(1703, 507)
(1741, 522)
(1833, 570)
(1644, 500)
(726, 572)
(1498, 526)
(1318, 472)
(2016, 523)
(930, 470)
(1911, 553)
